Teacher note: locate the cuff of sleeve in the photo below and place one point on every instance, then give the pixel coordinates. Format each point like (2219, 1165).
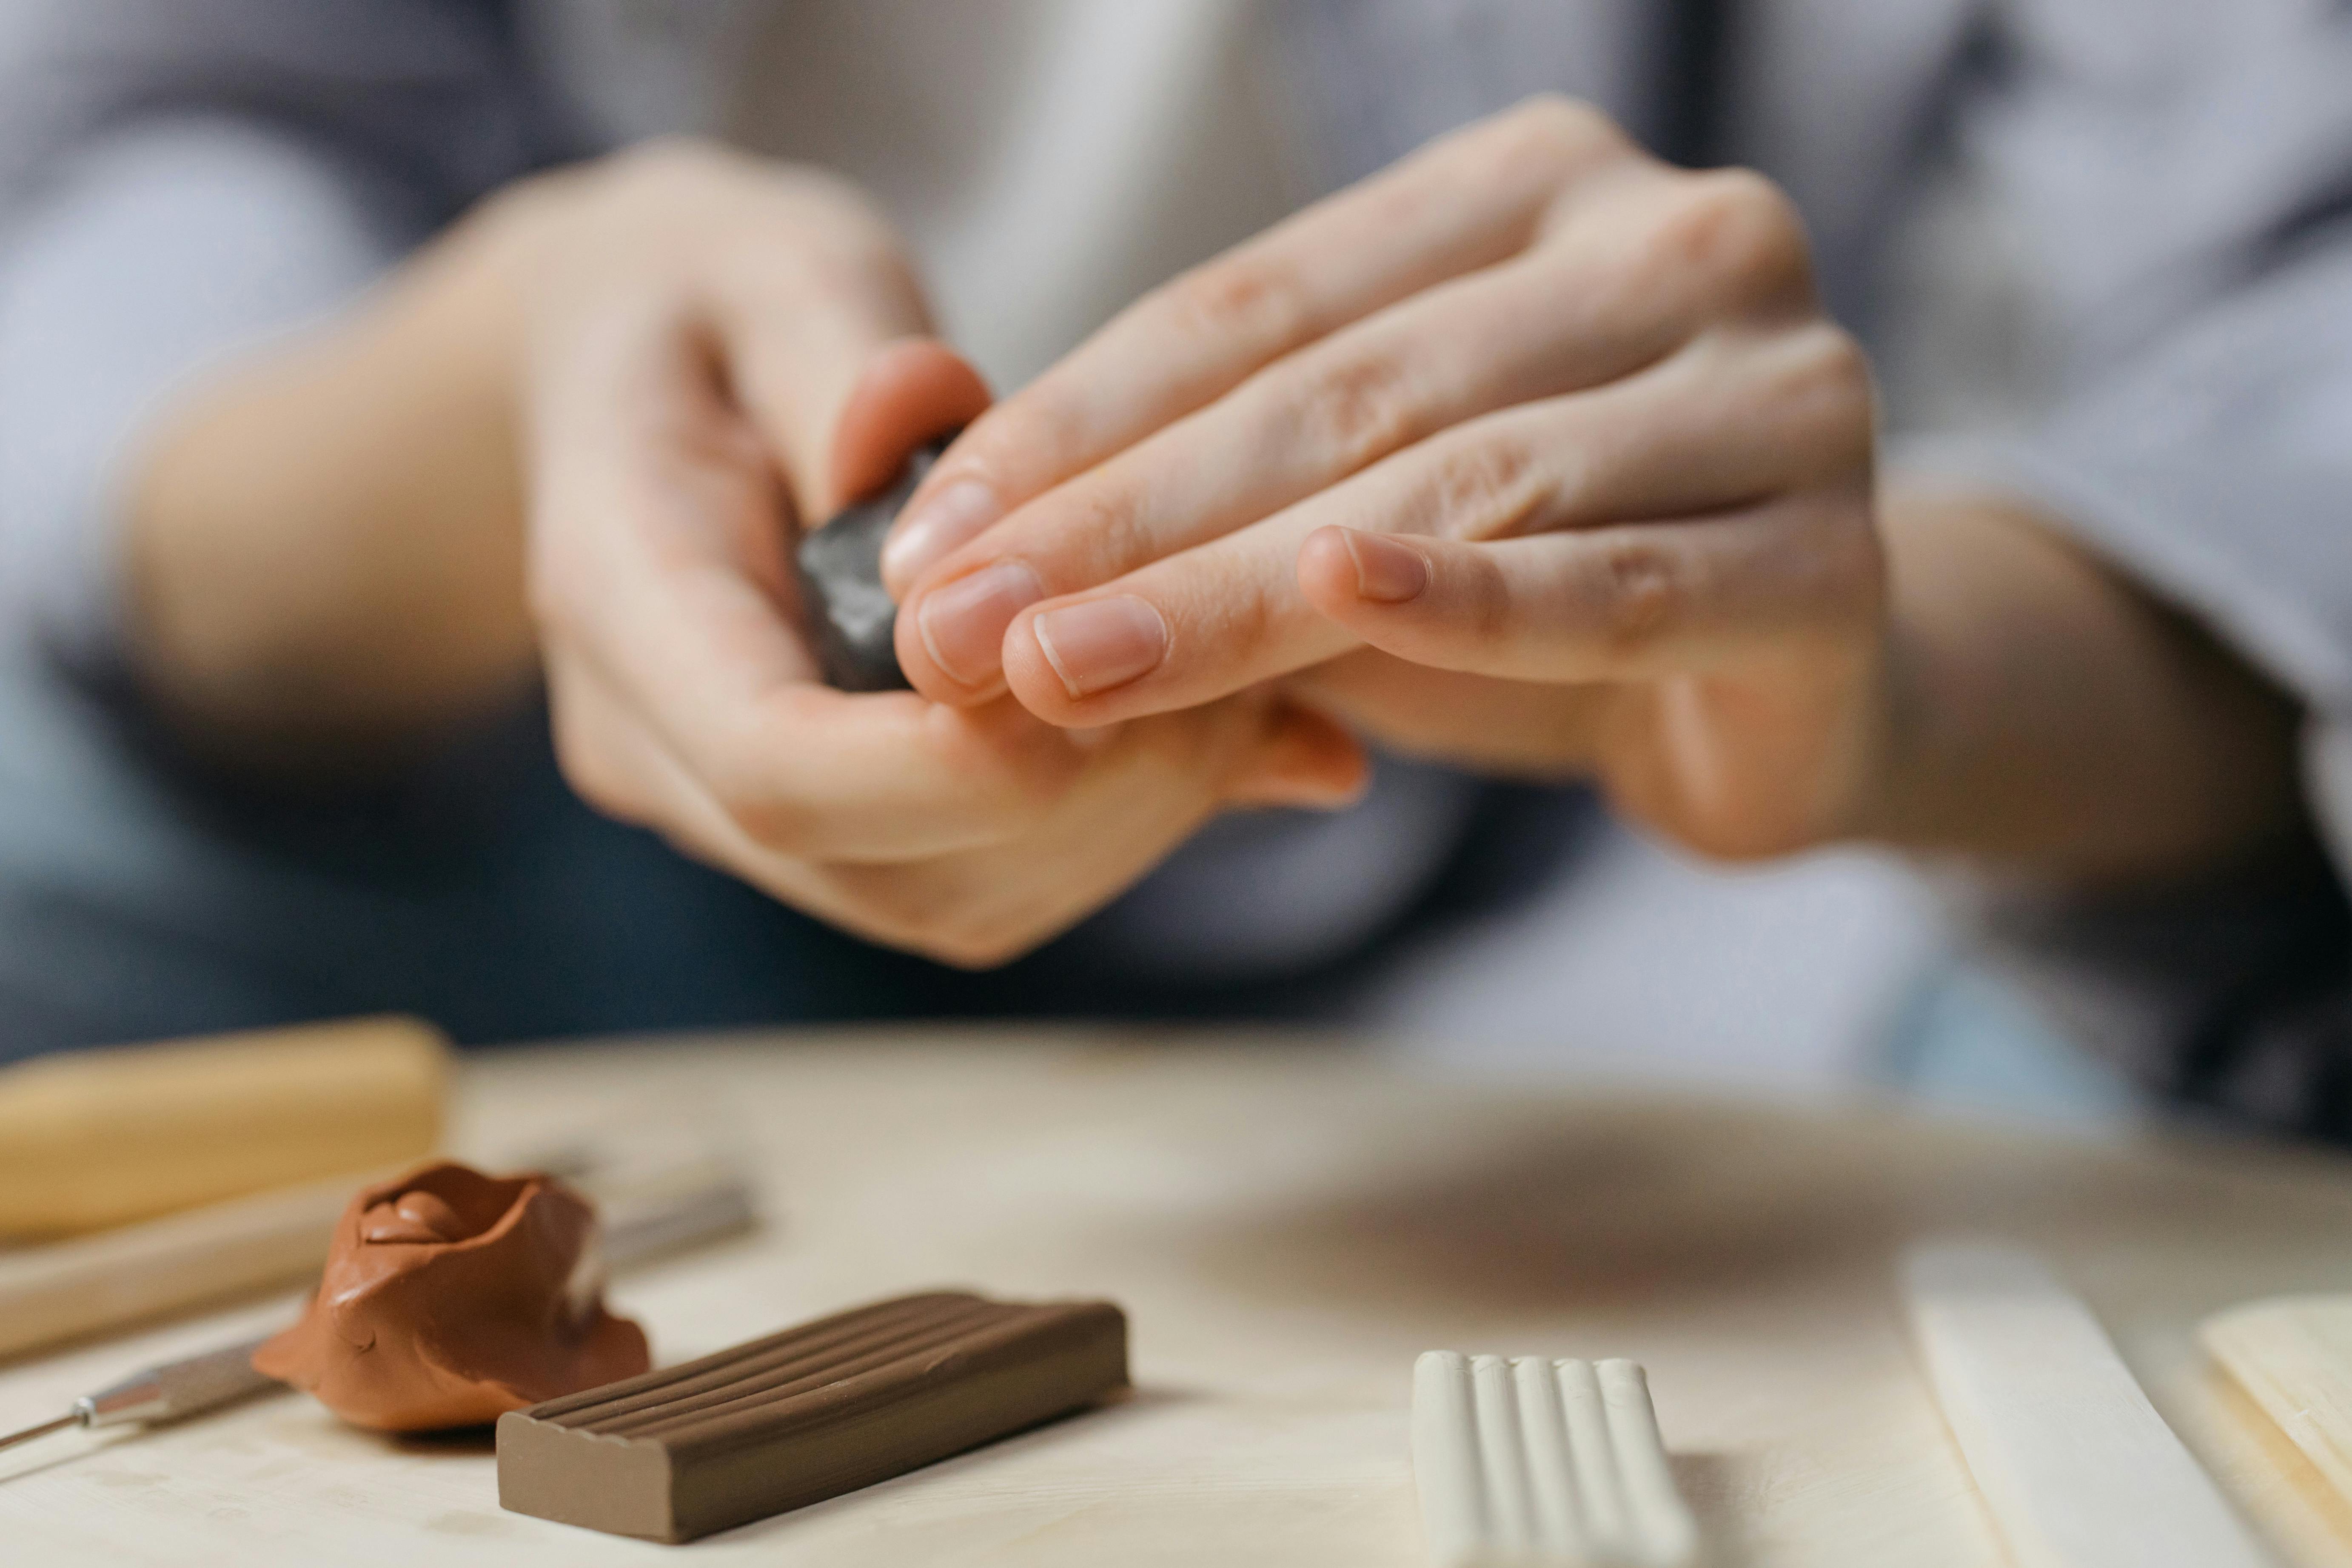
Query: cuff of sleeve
(150, 259)
(2229, 994)
(2154, 526)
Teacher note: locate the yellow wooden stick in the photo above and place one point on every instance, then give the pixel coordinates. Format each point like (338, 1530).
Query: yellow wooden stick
(101, 1137)
(2293, 1355)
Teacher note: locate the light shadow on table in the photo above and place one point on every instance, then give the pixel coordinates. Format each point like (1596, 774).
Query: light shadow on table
(1704, 1482)
(1610, 1205)
(1590, 1209)
(66, 1448)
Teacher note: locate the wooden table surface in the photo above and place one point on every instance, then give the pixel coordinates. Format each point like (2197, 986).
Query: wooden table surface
(1288, 1225)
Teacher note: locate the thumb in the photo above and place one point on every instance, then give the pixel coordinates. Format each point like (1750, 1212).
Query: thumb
(910, 391)
(815, 294)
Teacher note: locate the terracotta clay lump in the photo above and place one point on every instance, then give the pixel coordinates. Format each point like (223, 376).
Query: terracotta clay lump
(450, 1297)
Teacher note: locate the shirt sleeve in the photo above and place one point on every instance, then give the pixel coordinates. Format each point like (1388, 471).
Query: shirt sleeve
(181, 180)
(2183, 173)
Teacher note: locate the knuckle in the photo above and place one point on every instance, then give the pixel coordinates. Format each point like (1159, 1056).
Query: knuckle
(1242, 621)
(768, 824)
(1737, 225)
(1483, 489)
(1816, 387)
(1359, 406)
(1552, 129)
(667, 175)
(1834, 364)
(1831, 381)
(892, 904)
(1254, 297)
(1643, 595)
(662, 161)
(830, 261)
(1111, 531)
(1013, 801)
(1489, 620)
(907, 906)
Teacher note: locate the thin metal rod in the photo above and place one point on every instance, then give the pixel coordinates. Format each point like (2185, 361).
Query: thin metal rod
(70, 1418)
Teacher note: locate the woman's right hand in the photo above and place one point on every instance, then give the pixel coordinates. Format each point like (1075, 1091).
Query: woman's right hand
(721, 350)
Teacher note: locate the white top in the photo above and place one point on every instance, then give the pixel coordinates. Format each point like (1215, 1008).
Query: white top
(1048, 160)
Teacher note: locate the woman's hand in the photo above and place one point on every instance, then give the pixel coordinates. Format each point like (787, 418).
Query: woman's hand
(722, 349)
(582, 430)
(1551, 440)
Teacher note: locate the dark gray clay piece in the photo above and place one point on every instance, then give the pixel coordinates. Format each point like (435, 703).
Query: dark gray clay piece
(840, 570)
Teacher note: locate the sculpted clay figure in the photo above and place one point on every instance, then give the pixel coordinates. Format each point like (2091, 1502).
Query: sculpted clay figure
(451, 1297)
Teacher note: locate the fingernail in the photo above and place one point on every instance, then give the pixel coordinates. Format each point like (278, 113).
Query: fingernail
(925, 535)
(1386, 572)
(1102, 643)
(964, 623)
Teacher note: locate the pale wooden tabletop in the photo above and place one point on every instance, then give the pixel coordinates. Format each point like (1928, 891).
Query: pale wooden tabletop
(1287, 1225)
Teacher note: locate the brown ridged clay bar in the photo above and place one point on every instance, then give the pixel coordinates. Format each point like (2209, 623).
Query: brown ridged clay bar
(807, 1413)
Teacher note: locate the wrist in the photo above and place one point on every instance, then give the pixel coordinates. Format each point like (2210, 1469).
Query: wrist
(323, 542)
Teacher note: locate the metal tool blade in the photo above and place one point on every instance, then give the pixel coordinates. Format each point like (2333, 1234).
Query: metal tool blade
(70, 1418)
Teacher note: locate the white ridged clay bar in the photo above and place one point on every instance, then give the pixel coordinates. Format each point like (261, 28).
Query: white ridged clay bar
(1528, 1462)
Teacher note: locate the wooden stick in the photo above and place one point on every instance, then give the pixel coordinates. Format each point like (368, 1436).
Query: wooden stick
(2075, 1464)
(74, 1288)
(2294, 1356)
(94, 1139)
